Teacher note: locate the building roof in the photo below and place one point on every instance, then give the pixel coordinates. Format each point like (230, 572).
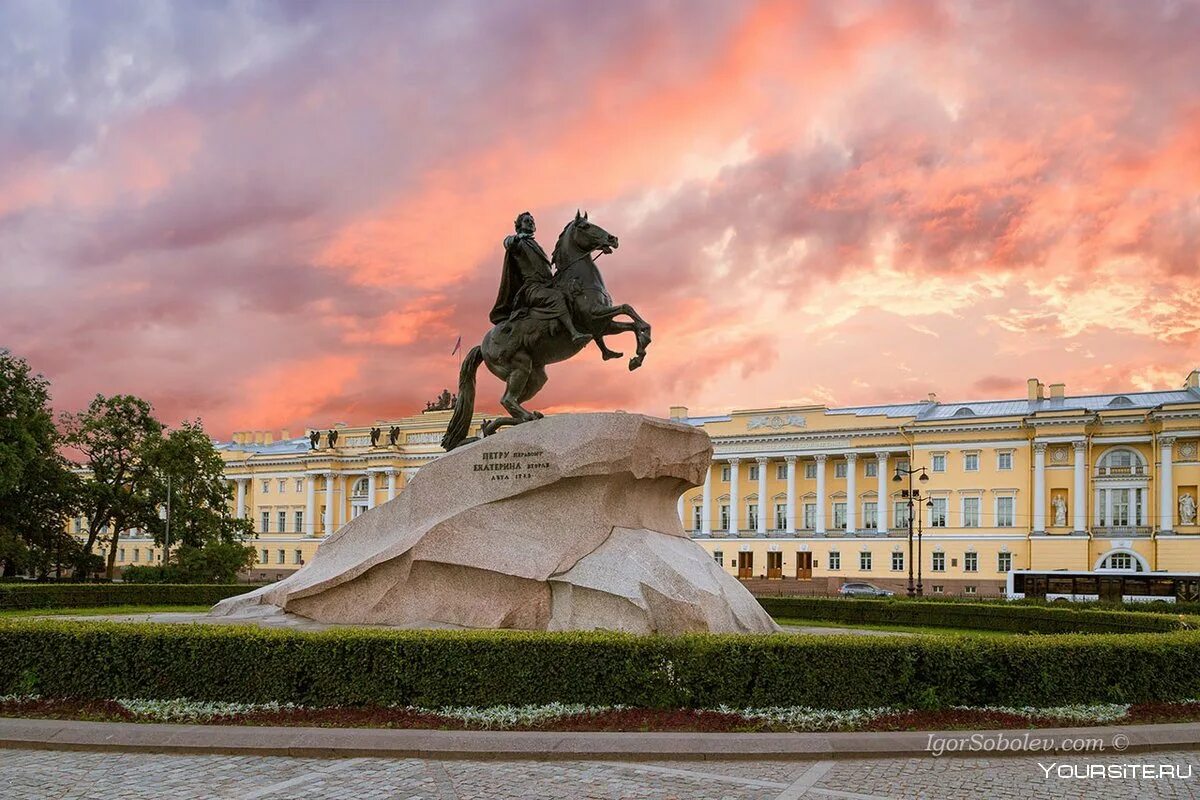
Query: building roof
(932, 410)
(282, 447)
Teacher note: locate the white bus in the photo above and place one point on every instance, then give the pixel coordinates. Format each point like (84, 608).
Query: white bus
(1111, 587)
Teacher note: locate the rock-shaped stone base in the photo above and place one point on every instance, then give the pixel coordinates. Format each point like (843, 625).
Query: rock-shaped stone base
(566, 523)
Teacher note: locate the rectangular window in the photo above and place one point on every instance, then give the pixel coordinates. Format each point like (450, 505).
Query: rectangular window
(266, 522)
(939, 562)
(864, 562)
(282, 485)
(780, 516)
(970, 512)
(754, 472)
(897, 562)
(872, 469)
(971, 462)
(752, 516)
(1004, 512)
(839, 469)
(937, 517)
(970, 562)
(900, 513)
(265, 557)
(298, 557)
(968, 590)
(870, 514)
(902, 466)
(299, 485)
(781, 472)
(724, 516)
(280, 556)
(725, 473)
(697, 518)
(137, 554)
(839, 516)
(719, 557)
(810, 516)
(299, 522)
(835, 560)
(1004, 562)
(939, 589)
(120, 554)
(1004, 460)
(282, 521)
(810, 471)
(266, 486)
(939, 462)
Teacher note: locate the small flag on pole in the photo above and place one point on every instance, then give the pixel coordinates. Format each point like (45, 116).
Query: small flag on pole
(457, 346)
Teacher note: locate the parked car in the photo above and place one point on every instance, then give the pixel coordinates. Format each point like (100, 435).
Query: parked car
(863, 590)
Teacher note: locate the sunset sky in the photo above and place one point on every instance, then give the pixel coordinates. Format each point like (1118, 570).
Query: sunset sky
(283, 214)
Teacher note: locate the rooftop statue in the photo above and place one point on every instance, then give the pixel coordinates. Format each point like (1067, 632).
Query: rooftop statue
(542, 317)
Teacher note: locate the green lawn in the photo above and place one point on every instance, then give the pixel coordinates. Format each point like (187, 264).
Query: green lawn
(101, 610)
(930, 630)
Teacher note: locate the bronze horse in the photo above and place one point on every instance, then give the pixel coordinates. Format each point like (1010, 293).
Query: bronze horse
(517, 350)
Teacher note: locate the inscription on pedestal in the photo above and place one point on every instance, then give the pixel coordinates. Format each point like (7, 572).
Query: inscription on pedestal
(506, 465)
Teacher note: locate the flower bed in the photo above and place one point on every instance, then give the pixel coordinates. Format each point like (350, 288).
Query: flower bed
(560, 717)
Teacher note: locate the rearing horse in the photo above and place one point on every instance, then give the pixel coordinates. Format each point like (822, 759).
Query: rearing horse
(517, 350)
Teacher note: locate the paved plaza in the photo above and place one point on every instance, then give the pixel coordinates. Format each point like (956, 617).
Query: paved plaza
(66, 775)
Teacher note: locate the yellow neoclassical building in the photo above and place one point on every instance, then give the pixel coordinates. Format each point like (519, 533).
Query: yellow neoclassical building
(807, 495)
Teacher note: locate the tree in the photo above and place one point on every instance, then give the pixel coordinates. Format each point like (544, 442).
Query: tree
(118, 437)
(38, 491)
(218, 562)
(200, 497)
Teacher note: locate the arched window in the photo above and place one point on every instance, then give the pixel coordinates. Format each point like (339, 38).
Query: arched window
(360, 488)
(1122, 461)
(1121, 561)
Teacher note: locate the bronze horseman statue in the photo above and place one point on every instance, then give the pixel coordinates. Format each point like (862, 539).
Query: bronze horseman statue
(542, 317)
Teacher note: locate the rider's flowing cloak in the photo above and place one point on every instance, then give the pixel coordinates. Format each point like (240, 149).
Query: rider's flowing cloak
(524, 256)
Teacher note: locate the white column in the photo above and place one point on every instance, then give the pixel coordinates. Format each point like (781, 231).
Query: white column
(328, 526)
(1108, 507)
(370, 488)
(1166, 503)
(679, 508)
(762, 496)
(881, 508)
(310, 508)
(706, 499)
(1097, 506)
(1039, 487)
(791, 493)
(821, 494)
(1080, 510)
(851, 492)
(733, 496)
(241, 498)
(391, 473)
(1145, 493)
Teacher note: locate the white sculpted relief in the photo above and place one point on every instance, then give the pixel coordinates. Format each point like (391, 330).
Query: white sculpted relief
(1187, 509)
(1060, 509)
(777, 421)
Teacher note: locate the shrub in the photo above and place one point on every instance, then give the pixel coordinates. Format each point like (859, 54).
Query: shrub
(15, 597)
(985, 616)
(435, 669)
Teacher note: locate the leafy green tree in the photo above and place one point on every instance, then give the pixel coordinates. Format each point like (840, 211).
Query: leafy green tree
(190, 466)
(38, 491)
(217, 562)
(118, 437)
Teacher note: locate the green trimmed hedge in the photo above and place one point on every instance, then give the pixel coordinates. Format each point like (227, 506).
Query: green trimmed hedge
(451, 668)
(984, 616)
(15, 597)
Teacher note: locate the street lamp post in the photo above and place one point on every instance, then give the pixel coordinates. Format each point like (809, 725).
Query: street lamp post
(914, 497)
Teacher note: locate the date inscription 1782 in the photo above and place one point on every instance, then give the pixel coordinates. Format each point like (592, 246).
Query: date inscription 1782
(505, 465)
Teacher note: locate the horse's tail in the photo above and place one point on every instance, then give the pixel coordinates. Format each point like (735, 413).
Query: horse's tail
(464, 406)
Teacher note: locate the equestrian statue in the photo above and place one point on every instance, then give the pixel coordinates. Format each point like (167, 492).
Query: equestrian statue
(543, 316)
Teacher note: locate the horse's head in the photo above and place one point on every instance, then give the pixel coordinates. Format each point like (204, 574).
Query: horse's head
(583, 236)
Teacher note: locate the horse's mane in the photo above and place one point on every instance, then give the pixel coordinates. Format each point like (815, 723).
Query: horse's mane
(560, 245)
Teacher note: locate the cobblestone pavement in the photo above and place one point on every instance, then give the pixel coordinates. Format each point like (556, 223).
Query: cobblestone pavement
(72, 775)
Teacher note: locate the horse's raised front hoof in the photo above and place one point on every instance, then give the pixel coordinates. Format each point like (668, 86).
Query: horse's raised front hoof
(635, 362)
(609, 355)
